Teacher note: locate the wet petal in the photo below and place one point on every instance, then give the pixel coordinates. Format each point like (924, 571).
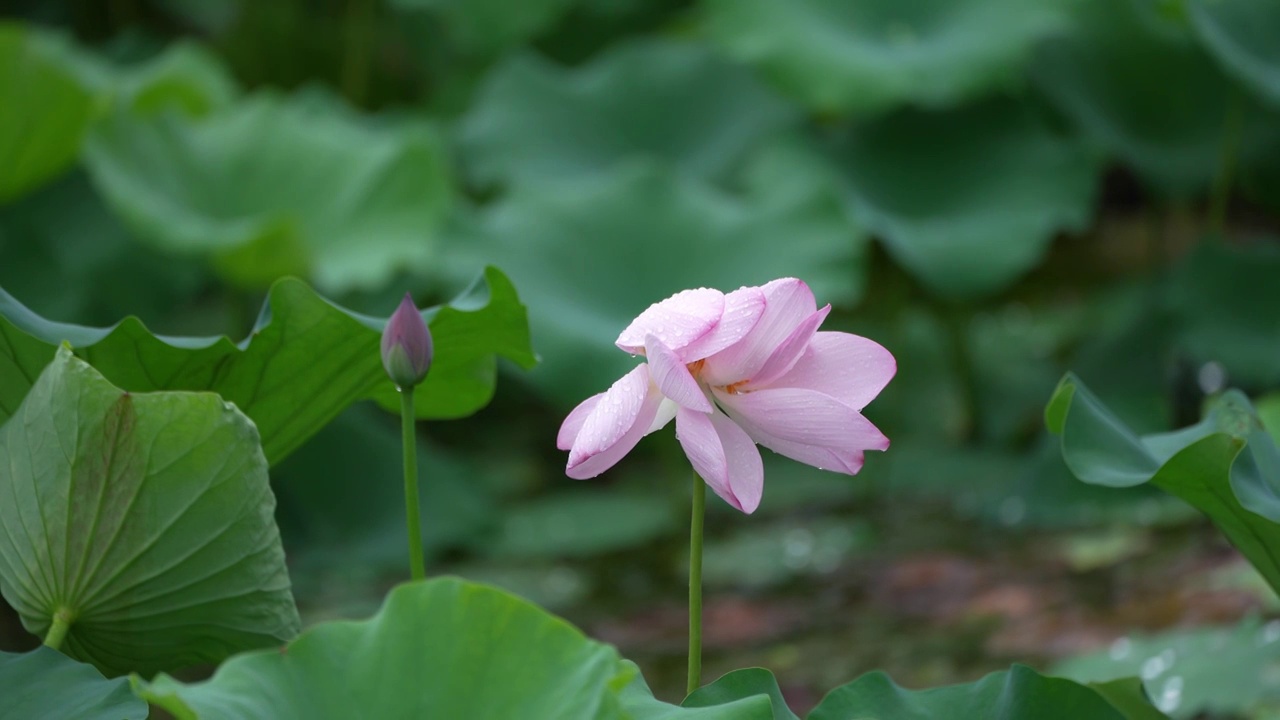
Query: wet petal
(572, 424)
(848, 462)
(787, 303)
(848, 367)
(677, 321)
(790, 350)
(673, 378)
(666, 413)
(742, 310)
(724, 456)
(805, 416)
(620, 418)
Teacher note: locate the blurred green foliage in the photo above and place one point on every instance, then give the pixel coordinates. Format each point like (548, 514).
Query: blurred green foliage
(995, 190)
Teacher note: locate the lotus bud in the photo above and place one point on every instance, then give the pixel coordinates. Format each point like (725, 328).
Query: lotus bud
(406, 346)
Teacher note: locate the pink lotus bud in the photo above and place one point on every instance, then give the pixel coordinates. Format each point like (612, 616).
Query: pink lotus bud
(406, 345)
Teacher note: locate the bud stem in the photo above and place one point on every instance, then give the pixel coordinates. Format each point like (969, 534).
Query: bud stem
(417, 570)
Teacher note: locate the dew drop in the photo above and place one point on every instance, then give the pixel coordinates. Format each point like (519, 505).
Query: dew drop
(901, 34)
(798, 548)
(1120, 649)
(1152, 668)
(1212, 377)
(1012, 510)
(1270, 633)
(1170, 694)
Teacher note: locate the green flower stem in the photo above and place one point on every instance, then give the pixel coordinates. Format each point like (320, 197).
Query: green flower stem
(956, 319)
(695, 583)
(62, 618)
(417, 568)
(1221, 196)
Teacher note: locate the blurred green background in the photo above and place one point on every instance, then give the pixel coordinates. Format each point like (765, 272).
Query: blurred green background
(996, 190)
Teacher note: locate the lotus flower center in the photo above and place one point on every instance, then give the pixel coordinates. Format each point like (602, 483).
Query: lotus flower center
(695, 368)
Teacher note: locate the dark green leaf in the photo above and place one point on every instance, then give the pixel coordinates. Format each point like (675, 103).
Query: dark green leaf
(67, 256)
(272, 186)
(879, 54)
(1015, 694)
(743, 684)
(61, 89)
(640, 704)
(48, 685)
(1242, 34)
(185, 76)
(1129, 697)
(1226, 466)
(147, 520)
(42, 139)
(966, 200)
(1225, 304)
(488, 26)
(669, 100)
(1110, 75)
(306, 360)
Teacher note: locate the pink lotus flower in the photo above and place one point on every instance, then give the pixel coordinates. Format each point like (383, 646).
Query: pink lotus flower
(734, 370)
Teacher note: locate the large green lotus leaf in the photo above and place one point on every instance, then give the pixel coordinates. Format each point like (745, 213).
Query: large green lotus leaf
(1227, 466)
(592, 253)
(966, 200)
(640, 704)
(1110, 76)
(1188, 673)
(658, 98)
(1242, 34)
(46, 684)
(1013, 694)
(1225, 303)
(305, 361)
(48, 109)
(271, 187)
(145, 520)
(443, 648)
(488, 26)
(877, 55)
(746, 683)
